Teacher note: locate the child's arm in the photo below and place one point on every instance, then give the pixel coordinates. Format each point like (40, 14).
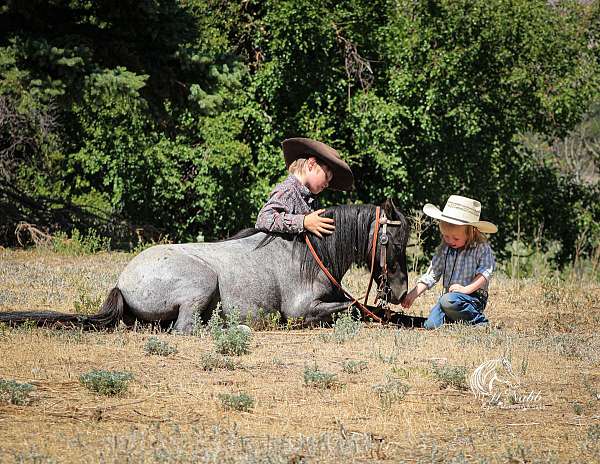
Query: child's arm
(276, 216)
(411, 296)
(426, 281)
(485, 268)
(478, 282)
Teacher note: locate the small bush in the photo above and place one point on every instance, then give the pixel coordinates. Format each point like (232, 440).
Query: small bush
(80, 244)
(578, 408)
(313, 377)
(212, 361)
(239, 402)
(158, 347)
(232, 339)
(12, 392)
(264, 320)
(86, 304)
(106, 382)
(354, 367)
(390, 392)
(453, 376)
(346, 327)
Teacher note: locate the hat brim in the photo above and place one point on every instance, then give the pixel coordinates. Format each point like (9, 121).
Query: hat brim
(298, 147)
(434, 212)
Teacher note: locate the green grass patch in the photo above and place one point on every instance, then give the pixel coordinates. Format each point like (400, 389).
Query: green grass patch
(79, 244)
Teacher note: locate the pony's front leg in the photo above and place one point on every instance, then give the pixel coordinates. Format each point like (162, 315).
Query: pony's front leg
(321, 311)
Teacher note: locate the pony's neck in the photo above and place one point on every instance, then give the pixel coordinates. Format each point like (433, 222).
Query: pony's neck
(350, 242)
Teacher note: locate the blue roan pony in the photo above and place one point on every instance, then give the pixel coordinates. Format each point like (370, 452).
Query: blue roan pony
(249, 272)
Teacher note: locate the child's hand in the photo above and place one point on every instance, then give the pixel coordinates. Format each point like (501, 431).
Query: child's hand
(410, 298)
(457, 288)
(318, 225)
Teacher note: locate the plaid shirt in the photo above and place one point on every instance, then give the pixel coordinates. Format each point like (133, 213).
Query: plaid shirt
(460, 266)
(288, 203)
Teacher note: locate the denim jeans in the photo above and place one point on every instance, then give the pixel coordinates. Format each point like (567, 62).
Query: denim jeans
(455, 307)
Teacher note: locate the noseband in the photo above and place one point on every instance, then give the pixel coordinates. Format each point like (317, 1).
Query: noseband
(383, 288)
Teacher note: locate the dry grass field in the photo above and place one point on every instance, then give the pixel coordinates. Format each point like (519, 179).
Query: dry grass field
(378, 395)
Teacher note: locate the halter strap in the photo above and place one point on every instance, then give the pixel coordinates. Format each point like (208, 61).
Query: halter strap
(373, 250)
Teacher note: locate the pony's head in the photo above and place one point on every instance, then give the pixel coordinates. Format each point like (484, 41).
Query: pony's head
(395, 256)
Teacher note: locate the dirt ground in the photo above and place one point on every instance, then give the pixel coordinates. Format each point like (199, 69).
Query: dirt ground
(406, 400)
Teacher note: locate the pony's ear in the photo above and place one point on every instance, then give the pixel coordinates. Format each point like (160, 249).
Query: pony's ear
(390, 209)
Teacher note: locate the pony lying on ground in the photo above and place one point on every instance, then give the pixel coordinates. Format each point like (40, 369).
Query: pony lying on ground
(249, 272)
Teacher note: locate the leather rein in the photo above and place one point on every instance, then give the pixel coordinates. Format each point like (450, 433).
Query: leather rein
(383, 288)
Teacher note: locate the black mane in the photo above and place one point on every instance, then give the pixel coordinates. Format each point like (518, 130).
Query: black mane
(348, 244)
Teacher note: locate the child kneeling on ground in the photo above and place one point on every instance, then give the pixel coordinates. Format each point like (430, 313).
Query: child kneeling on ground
(465, 262)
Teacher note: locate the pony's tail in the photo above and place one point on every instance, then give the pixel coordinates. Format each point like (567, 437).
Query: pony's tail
(109, 315)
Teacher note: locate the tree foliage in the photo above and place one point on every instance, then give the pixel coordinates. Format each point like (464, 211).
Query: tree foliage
(170, 114)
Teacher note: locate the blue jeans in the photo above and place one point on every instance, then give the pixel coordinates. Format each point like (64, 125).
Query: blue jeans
(455, 307)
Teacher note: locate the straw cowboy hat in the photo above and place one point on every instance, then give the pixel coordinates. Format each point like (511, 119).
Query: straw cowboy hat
(461, 211)
(299, 147)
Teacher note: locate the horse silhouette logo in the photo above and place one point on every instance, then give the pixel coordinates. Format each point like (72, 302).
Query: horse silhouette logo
(486, 380)
(495, 384)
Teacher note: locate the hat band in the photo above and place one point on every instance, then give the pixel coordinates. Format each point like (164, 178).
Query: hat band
(457, 219)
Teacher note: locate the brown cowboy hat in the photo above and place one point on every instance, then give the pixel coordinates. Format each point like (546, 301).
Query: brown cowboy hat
(299, 147)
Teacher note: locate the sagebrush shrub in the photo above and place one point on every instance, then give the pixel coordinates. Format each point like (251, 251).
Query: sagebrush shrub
(106, 382)
(390, 392)
(231, 338)
(80, 244)
(453, 376)
(354, 367)
(12, 392)
(313, 377)
(211, 361)
(346, 327)
(159, 347)
(239, 402)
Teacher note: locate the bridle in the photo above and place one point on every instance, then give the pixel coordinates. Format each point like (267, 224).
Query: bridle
(383, 288)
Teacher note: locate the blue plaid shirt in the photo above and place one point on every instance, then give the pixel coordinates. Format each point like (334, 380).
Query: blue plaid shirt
(460, 266)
